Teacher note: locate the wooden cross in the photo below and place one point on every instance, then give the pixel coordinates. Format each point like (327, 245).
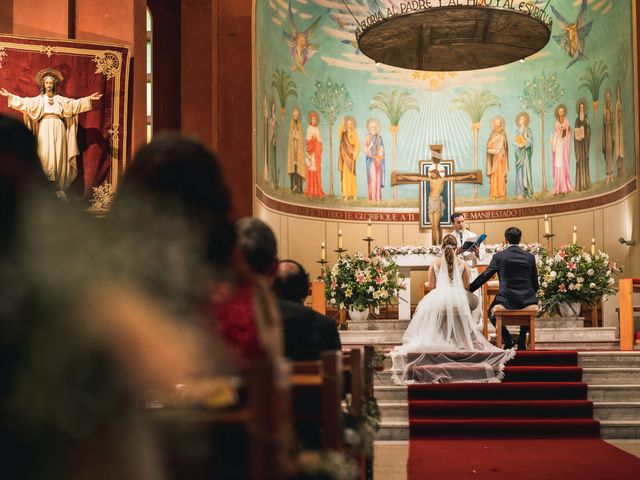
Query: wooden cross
(436, 178)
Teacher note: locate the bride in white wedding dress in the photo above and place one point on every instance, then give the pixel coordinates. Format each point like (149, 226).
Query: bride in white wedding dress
(442, 343)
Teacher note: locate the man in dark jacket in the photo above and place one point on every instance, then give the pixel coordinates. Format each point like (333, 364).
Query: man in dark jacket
(307, 333)
(518, 277)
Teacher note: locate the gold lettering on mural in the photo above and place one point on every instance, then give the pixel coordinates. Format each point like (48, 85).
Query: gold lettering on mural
(526, 7)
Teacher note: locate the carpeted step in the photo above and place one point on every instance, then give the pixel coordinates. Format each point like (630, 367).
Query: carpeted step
(421, 409)
(503, 427)
(542, 374)
(499, 391)
(541, 358)
(477, 458)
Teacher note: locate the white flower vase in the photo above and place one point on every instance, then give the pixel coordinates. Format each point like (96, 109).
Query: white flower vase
(570, 310)
(357, 316)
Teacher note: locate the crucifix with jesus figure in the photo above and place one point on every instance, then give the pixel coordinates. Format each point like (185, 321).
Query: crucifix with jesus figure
(436, 192)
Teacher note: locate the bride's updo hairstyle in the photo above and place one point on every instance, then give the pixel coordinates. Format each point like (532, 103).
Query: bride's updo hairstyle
(449, 246)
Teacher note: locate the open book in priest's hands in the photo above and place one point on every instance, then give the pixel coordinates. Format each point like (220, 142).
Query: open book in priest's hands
(473, 242)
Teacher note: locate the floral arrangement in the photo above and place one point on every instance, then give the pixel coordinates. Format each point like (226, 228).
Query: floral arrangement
(408, 250)
(571, 275)
(533, 248)
(360, 431)
(359, 281)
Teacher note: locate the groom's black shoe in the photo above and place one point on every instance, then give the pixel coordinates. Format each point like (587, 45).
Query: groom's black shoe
(508, 343)
(522, 343)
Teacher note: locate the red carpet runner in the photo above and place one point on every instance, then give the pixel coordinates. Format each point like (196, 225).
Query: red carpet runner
(536, 424)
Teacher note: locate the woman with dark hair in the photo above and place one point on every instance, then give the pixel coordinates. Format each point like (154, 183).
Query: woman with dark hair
(179, 177)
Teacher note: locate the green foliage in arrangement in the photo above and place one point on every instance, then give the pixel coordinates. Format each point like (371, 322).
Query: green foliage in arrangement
(572, 275)
(359, 281)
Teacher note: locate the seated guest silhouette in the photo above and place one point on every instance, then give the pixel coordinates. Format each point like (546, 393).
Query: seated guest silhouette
(307, 333)
(518, 276)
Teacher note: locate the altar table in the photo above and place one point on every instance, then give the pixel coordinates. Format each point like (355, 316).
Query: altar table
(415, 262)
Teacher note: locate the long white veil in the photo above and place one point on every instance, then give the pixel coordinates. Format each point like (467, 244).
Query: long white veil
(441, 344)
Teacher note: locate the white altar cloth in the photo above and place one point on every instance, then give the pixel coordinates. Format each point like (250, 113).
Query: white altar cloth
(407, 264)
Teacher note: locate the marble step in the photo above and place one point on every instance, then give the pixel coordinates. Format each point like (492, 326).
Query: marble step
(603, 411)
(609, 429)
(611, 376)
(560, 322)
(595, 376)
(379, 324)
(393, 430)
(395, 324)
(543, 335)
(614, 393)
(388, 393)
(620, 429)
(586, 345)
(617, 411)
(394, 411)
(609, 359)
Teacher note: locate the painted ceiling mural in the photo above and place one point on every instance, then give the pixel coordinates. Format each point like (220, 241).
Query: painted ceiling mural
(332, 125)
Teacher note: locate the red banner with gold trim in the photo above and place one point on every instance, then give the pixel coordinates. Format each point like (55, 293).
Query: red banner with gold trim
(86, 67)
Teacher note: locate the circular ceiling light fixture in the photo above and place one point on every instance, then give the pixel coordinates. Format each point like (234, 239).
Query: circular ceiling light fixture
(443, 35)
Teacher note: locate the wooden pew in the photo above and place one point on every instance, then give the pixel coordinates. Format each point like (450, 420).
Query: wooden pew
(356, 378)
(239, 442)
(628, 286)
(316, 392)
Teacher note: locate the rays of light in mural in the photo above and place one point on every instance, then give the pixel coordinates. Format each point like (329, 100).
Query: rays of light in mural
(436, 123)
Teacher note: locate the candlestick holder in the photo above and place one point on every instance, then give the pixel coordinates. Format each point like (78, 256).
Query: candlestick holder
(549, 238)
(340, 251)
(368, 240)
(322, 267)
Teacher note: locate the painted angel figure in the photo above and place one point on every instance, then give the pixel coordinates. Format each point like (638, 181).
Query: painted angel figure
(575, 34)
(300, 42)
(54, 121)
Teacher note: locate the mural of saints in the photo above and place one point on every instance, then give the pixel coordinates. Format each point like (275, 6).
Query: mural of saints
(272, 134)
(497, 159)
(618, 143)
(607, 134)
(523, 151)
(347, 156)
(265, 146)
(374, 151)
(313, 157)
(295, 152)
(581, 142)
(561, 152)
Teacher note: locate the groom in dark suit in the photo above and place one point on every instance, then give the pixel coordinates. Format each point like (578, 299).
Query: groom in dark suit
(518, 276)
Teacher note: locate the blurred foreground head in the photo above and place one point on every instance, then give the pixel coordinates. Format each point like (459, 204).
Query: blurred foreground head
(258, 245)
(20, 172)
(175, 174)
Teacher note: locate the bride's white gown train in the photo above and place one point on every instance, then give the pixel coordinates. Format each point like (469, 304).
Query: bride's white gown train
(442, 343)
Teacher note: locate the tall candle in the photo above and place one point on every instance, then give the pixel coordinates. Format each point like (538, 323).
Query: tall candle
(593, 246)
(339, 238)
(369, 229)
(547, 227)
(323, 252)
(575, 235)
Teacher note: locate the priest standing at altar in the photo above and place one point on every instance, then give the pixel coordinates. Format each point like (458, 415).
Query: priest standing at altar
(462, 234)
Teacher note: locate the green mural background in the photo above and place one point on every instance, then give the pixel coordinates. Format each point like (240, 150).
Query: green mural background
(307, 60)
